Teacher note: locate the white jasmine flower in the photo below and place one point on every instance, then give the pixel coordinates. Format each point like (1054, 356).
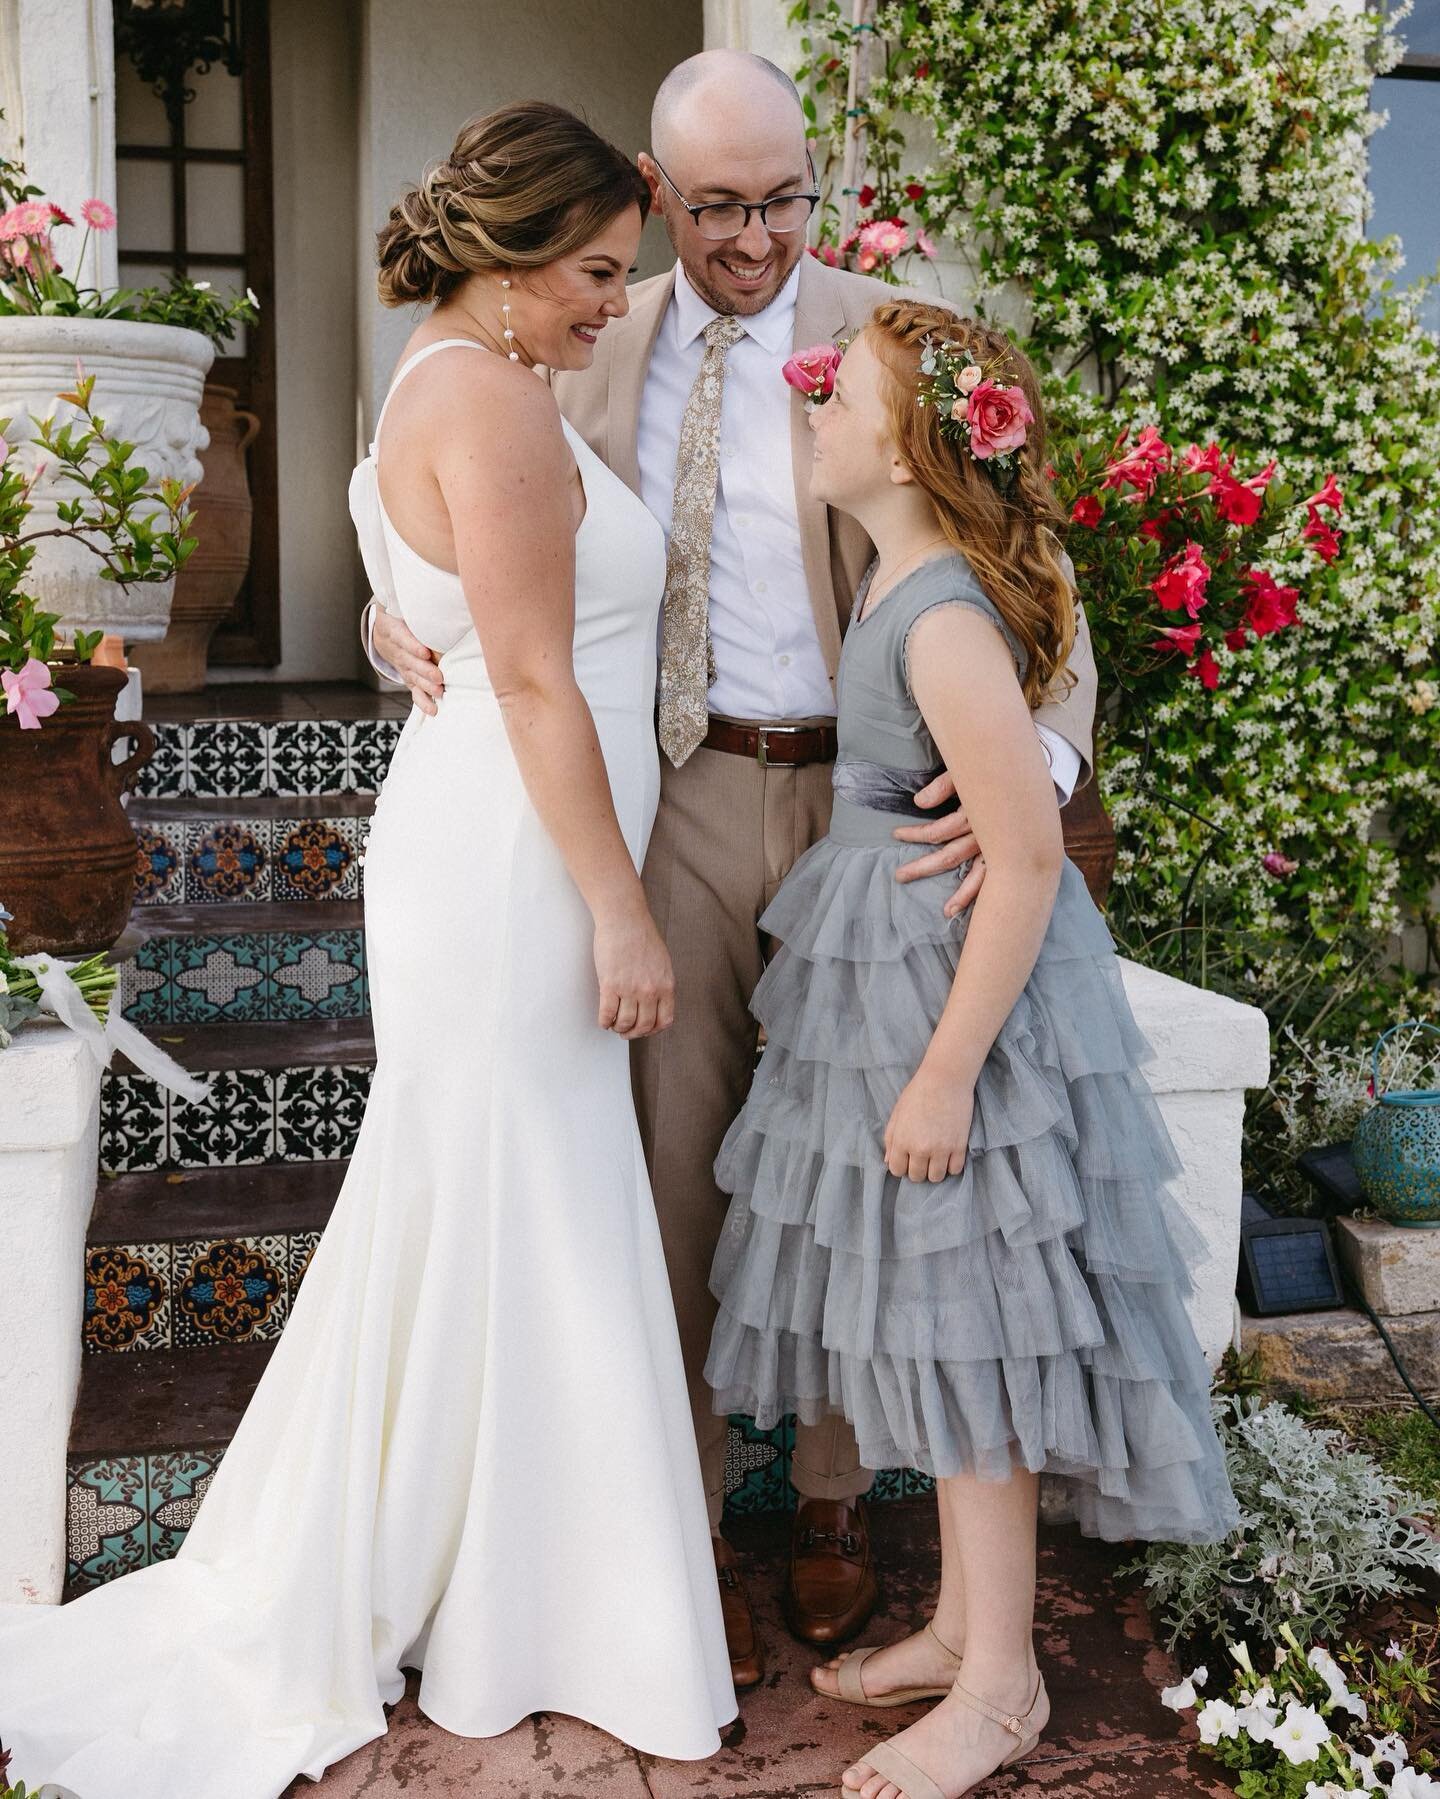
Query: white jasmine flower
(1301, 1734)
(1216, 1719)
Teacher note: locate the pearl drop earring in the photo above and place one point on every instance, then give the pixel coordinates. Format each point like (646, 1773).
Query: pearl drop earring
(508, 334)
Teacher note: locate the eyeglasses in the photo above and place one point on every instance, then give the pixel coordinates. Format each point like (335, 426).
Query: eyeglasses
(719, 219)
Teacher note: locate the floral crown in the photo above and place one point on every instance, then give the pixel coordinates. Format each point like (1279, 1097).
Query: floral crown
(989, 417)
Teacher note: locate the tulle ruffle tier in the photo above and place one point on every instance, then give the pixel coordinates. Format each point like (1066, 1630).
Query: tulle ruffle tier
(1031, 1308)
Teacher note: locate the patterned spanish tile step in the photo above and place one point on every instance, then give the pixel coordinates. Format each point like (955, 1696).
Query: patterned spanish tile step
(203, 1258)
(267, 962)
(279, 1093)
(246, 757)
(246, 851)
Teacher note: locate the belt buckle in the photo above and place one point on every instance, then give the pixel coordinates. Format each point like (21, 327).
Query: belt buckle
(764, 731)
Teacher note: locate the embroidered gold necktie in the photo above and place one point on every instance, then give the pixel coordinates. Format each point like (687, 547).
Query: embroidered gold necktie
(687, 661)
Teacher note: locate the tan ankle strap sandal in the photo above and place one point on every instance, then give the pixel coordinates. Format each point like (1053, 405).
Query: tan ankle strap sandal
(852, 1687)
(893, 1765)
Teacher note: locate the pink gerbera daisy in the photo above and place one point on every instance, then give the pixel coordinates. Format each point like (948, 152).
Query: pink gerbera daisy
(98, 216)
(32, 218)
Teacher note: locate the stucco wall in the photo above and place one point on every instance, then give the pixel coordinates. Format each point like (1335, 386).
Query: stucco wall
(421, 80)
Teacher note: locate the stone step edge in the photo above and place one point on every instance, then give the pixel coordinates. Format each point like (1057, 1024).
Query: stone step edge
(174, 1205)
(268, 1045)
(200, 809)
(1339, 1354)
(244, 918)
(158, 1400)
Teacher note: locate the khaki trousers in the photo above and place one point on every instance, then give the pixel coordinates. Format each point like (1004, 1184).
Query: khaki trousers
(727, 832)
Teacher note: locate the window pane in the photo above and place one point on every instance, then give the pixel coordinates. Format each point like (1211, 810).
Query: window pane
(1405, 178)
(143, 274)
(228, 284)
(214, 119)
(215, 207)
(1420, 33)
(143, 205)
(139, 111)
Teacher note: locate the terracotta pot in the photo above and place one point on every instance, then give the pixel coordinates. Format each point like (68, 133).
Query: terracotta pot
(206, 587)
(1090, 840)
(67, 850)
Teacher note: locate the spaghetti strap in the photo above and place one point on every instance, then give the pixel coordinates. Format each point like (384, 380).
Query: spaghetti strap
(444, 343)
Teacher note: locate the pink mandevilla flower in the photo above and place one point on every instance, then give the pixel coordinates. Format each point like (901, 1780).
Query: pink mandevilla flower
(1178, 637)
(1183, 581)
(1322, 538)
(27, 693)
(1206, 669)
(1141, 464)
(925, 245)
(1269, 606)
(98, 216)
(1329, 495)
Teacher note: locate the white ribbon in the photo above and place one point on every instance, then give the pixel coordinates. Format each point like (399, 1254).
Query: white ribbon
(60, 996)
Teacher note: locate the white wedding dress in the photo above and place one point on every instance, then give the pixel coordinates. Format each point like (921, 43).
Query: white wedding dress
(472, 1450)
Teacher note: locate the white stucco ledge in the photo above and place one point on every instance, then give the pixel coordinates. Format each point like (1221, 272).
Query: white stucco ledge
(49, 1125)
(1207, 1051)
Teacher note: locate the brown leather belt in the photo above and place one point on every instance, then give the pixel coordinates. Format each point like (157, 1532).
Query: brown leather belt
(774, 746)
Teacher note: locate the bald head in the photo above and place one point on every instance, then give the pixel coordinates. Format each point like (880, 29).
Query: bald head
(724, 96)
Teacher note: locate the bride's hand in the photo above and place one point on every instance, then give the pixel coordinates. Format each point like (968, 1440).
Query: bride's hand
(929, 1130)
(637, 982)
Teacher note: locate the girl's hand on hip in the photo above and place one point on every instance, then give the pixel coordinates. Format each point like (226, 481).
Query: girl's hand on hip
(929, 1130)
(637, 982)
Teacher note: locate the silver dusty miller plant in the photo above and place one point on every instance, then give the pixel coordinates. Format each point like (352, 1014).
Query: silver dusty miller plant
(1322, 1526)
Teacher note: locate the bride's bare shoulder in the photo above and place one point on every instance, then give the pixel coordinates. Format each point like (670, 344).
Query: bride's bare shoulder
(465, 392)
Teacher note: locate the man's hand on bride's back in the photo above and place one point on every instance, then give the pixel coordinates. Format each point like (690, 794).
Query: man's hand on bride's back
(952, 843)
(637, 981)
(412, 660)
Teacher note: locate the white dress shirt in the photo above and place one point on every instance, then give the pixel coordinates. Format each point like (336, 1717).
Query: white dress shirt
(768, 660)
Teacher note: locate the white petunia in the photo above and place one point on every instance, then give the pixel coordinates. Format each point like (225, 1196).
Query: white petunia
(1410, 1783)
(1217, 1718)
(202, 287)
(1259, 1715)
(1301, 1733)
(1364, 1766)
(1181, 1698)
(1390, 1749)
(1330, 1672)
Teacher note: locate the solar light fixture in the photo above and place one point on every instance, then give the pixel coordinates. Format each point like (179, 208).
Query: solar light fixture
(1286, 1264)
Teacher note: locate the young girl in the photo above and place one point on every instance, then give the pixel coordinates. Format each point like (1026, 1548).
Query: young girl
(950, 1215)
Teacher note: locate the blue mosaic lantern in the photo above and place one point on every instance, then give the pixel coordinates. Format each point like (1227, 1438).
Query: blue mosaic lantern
(1396, 1147)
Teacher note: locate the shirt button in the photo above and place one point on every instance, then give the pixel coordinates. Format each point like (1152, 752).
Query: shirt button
(760, 587)
(742, 518)
(784, 662)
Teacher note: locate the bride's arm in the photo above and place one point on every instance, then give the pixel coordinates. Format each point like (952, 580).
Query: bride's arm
(506, 483)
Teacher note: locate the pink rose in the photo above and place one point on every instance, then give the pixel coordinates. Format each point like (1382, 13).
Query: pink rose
(1183, 581)
(812, 371)
(997, 417)
(969, 378)
(27, 693)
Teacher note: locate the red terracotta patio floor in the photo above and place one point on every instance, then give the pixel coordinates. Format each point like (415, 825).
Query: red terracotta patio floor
(1109, 1736)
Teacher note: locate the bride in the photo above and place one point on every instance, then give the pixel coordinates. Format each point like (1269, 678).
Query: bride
(471, 1452)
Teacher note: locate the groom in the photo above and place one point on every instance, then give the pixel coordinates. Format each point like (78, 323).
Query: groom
(745, 774)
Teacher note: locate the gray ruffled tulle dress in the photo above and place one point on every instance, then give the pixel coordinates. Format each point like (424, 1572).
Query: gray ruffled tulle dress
(1031, 1306)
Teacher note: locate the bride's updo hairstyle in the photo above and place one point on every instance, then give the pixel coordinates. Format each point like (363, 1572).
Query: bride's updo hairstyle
(522, 187)
(1012, 538)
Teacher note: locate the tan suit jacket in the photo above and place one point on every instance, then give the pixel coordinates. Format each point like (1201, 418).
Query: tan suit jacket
(603, 404)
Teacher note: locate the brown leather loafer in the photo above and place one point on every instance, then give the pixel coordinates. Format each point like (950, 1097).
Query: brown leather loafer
(830, 1590)
(742, 1639)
